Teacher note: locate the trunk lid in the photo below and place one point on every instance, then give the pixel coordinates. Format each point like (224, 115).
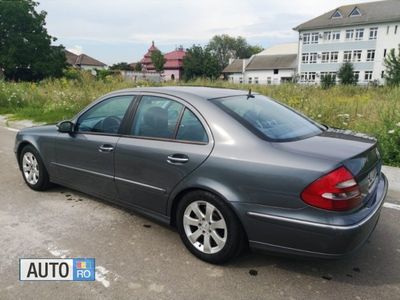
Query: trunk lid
(356, 151)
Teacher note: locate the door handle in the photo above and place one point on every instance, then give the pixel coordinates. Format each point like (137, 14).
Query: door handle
(177, 159)
(106, 148)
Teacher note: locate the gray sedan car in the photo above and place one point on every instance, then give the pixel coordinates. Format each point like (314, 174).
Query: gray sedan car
(227, 168)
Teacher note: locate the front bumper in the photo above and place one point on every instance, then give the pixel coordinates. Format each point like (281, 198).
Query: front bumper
(295, 236)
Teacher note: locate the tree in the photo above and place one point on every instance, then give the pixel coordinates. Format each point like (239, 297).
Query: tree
(26, 52)
(122, 66)
(327, 81)
(392, 64)
(138, 67)
(200, 62)
(225, 47)
(346, 74)
(158, 60)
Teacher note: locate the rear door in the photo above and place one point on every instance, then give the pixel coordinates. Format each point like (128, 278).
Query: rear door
(166, 141)
(85, 159)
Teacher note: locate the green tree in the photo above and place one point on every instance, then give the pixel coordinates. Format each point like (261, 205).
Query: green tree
(225, 47)
(138, 67)
(158, 60)
(327, 81)
(122, 66)
(200, 62)
(392, 64)
(346, 74)
(26, 52)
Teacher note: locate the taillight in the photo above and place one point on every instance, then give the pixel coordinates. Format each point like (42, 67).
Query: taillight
(337, 190)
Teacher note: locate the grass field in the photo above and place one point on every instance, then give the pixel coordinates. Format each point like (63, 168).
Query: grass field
(375, 111)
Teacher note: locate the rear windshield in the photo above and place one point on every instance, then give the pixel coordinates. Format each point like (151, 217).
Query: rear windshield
(267, 118)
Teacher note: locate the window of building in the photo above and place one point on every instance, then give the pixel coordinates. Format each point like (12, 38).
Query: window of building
(307, 76)
(335, 35)
(383, 74)
(349, 34)
(336, 14)
(387, 29)
(306, 38)
(327, 35)
(370, 55)
(240, 79)
(334, 56)
(347, 56)
(314, 38)
(304, 58)
(384, 52)
(356, 75)
(324, 57)
(357, 55)
(395, 29)
(359, 34)
(373, 33)
(269, 80)
(276, 71)
(250, 80)
(368, 75)
(256, 80)
(313, 58)
(355, 12)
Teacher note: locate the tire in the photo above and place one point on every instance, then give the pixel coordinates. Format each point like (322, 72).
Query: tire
(33, 170)
(217, 243)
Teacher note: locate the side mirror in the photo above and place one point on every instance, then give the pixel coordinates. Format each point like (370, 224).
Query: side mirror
(65, 126)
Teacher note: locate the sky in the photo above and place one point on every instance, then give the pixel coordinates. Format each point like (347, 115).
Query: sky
(122, 30)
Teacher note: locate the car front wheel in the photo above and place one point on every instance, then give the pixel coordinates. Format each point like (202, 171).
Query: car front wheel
(33, 169)
(209, 228)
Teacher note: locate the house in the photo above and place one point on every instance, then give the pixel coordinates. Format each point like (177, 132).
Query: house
(362, 34)
(83, 61)
(173, 66)
(274, 65)
(147, 65)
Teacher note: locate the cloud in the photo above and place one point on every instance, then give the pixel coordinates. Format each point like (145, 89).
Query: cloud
(102, 25)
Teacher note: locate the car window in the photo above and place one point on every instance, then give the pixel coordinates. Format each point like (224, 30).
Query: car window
(190, 128)
(270, 119)
(156, 117)
(105, 117)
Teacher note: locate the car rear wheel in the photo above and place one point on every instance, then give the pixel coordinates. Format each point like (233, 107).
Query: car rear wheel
(209, 228)
(33, 169)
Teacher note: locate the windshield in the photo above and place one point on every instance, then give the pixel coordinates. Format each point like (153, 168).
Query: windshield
(267, 118)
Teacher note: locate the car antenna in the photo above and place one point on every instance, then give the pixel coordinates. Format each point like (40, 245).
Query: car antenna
(249, 95)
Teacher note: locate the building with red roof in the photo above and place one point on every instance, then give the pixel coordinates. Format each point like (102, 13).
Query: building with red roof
(173, 66)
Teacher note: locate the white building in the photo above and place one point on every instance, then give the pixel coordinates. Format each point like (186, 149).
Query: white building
(274, 65)
(362, 34)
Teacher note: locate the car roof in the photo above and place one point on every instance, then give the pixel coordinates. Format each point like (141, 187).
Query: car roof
(197, 91)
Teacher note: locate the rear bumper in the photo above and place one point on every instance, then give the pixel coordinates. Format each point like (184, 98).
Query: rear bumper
(295, 236)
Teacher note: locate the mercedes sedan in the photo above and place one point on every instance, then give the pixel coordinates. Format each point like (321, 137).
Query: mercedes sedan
(228, 168)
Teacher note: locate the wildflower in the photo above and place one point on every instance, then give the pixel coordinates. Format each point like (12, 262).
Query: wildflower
(398, 124)
(359, 115)
(391, 131)
(319, 116)
(345, 123)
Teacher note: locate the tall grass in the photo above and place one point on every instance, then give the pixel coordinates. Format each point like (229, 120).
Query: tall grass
(375, 111)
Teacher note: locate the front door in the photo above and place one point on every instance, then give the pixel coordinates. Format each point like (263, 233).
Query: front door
(166, 142)
(85, 159)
